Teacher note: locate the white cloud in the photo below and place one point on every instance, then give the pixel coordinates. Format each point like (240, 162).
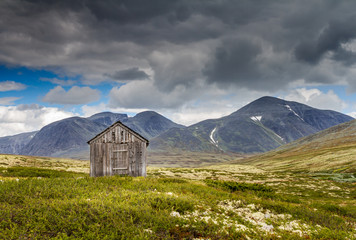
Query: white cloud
(8, 100)
(352, 114)
(316, 98)
(189, 115)
(27, 118)
(11, 86)
(144, 94)
(75, 95)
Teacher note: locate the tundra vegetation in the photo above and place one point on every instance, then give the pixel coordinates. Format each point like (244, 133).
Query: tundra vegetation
(42, 198)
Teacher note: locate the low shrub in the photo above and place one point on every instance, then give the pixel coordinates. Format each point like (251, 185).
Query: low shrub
(238, 186)
(172, 204)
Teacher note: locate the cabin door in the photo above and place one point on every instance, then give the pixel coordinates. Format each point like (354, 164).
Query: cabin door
(120, 159)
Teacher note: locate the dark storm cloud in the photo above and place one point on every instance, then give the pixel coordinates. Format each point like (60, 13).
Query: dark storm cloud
(129, 74)
(248, 43)
(348, 58)
(133, 20)
(234, 60)
(336, 33)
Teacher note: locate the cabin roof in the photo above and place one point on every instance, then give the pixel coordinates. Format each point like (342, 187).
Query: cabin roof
(124, 126)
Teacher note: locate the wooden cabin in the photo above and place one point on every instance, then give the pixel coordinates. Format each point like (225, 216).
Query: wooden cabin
(118, 150)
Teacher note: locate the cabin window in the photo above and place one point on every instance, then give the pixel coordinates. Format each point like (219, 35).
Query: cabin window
(113, 136)
(122, 136)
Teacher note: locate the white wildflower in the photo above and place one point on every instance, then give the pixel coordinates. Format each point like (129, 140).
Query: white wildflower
(240, 227)
(175, 214)
(148, 230)
(266, 227)
(251, 206)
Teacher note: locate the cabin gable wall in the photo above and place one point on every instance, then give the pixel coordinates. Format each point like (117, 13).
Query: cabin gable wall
(117, 151)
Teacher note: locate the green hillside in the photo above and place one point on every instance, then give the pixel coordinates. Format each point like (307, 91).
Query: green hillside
(333, 149)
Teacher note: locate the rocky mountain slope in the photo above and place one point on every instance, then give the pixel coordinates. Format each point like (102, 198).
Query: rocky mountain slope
(260, 126)
(64, 135)
(14, 144)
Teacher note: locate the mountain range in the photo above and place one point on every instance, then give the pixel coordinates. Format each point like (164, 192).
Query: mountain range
(260, 126)
(68, 137)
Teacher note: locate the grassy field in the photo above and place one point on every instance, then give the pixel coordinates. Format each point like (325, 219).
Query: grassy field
(41, 199)
(189, 159)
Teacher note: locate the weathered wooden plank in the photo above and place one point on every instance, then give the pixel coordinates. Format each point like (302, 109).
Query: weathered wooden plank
(119, 140)
(143, 159)
(98, 160)
(92, 161)
(110, 162)
(137, 158)
(102, 157)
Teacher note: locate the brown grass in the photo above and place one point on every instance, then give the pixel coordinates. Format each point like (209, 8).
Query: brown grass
(8, 160)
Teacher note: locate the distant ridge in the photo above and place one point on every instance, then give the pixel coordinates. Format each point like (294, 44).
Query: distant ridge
(260, 126)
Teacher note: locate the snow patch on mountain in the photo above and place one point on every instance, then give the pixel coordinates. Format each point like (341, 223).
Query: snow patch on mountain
(256, 118)
(279, 136)
(212, 137)
(296, 114)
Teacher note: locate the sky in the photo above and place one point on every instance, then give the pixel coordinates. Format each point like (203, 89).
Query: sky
(188, 60)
